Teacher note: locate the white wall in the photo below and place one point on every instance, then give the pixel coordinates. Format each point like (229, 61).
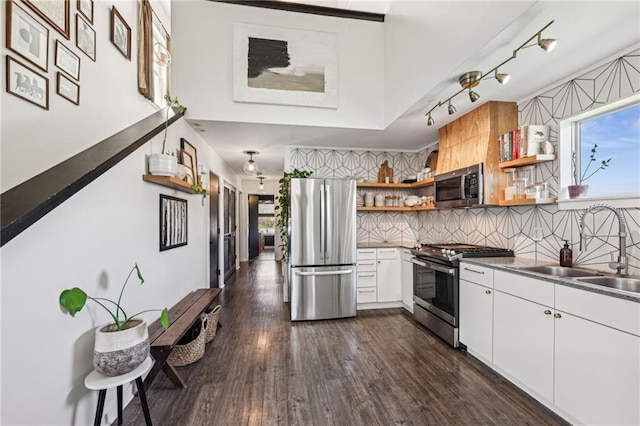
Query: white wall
(34, 139)
(203, 66)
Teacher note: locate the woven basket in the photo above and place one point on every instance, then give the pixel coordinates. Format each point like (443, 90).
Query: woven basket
(212, 326)
(182, 355)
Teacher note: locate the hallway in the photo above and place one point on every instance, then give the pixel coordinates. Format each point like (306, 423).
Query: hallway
(377, 369)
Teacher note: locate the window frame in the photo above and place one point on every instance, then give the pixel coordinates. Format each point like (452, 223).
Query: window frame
(159, 29)
(568, 139)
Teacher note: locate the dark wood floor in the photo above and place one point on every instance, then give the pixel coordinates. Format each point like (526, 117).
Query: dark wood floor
(377, 369)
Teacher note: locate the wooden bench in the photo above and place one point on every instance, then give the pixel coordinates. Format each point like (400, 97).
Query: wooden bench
(181, 317)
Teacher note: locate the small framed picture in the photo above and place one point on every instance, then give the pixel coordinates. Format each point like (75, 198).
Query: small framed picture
(120, 33)
(85, 37)
(26, 36)
(85, 7)
(191, 150)
(68, 89)
(67, 61)
(187, 160)
(173, 222)
(55, 12)
(27, 84)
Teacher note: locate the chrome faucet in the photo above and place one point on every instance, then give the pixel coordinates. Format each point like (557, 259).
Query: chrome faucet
(622, 265)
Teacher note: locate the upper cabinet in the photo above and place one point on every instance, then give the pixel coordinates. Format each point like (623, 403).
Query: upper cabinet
(473, 138)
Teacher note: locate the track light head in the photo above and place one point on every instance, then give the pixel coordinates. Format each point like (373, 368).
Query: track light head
(430, 121)
(473, 96)
(451, 108)
(547, 44)
(502, 78)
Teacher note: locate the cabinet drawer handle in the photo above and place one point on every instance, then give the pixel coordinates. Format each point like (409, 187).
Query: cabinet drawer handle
(366, 291)
(547, 312)
(471, 270)
(368, 264)
(366, 251)
(366, 276)
(557, 316)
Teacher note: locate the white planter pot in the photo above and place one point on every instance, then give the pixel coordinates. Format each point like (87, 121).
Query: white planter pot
(118, 352)
(163, 164)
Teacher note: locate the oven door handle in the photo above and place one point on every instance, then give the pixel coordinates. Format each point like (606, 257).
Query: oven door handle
(449, 271)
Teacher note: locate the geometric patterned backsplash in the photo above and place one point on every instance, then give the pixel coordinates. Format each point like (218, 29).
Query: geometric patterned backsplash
(535, 232)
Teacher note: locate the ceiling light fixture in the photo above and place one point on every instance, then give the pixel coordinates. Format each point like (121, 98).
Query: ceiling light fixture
(261, 183)
(451, 108)
(472, 79)
(250, 166)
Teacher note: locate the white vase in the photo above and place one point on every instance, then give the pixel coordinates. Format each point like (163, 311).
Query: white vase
(116, 351)
(163, 164)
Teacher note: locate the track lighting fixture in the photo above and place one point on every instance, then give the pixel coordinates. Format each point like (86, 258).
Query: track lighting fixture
(251, 167)
(501, 77)
(472, 79)
(451, 108)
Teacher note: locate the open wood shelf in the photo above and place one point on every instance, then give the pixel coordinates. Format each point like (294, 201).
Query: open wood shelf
(170, 182)
(527, 202)
(395, 209)
(526, 161)
(374, 185)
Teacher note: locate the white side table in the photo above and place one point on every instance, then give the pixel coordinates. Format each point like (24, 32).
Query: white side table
(100, 382)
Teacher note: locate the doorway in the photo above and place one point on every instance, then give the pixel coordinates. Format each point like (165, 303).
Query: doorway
(214, 231)
(261, 224)
(229, 218)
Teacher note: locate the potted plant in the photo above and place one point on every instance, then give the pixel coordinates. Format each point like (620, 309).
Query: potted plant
(282, 209)
(122, 345)
(164, 163)
(579, 189)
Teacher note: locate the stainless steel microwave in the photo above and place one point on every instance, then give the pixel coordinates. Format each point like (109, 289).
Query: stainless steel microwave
(460, 188)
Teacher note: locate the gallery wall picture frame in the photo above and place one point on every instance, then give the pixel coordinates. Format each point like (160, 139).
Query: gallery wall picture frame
(120, 33)
(85, 7)
(55, 12)
(67, 61)
(191, 150)
(187, 161)
(284, 66)
(26, 83)
(68, 89)
(173, 222)
(85, 37)
(26, 36)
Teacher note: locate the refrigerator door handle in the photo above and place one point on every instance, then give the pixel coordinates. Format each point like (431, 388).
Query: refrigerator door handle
(328, 241)
(323, 219)
(307, 274)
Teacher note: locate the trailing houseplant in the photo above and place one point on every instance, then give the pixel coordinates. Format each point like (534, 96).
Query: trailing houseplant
(164, 163)
(123, 344)
(579, 189)
(282, 208)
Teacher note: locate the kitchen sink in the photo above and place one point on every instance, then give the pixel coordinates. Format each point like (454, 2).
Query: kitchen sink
(560, 271)
(620, 283)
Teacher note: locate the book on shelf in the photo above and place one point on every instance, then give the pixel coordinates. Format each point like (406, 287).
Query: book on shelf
(511, 147)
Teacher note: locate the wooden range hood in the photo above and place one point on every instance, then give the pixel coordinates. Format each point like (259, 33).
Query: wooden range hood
(473, 138)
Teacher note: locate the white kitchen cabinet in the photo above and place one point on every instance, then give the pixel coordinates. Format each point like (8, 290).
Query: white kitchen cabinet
(378, 275)
(476, 319)
(389, 275)
(597, 372)
(523, 341)
(407, 280)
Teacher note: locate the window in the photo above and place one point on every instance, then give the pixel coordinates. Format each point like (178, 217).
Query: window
(601, 148)
(160, 70)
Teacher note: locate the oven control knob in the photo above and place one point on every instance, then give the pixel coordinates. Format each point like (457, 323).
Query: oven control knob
(444, 251)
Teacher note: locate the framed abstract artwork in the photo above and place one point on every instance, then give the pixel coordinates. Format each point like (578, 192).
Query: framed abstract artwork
(27, 84)
(173, 222)
(120, 33)
(55, 12)
(67, 61)
(26, 36)
(274, 65)
(68, 89)
(85, 37)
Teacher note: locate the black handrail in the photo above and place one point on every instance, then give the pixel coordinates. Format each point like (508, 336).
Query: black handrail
(22, 205)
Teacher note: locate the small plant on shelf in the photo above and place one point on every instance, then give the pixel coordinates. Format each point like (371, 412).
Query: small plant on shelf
(585, 174)
(171, 102)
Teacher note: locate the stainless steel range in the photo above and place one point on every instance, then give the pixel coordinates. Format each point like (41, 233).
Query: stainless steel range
(436, 284)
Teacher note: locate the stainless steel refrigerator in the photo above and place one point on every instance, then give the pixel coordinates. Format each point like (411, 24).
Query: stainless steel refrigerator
(322, 256)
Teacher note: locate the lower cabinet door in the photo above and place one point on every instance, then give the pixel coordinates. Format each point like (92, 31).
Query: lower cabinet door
(597, 372)
(523, 342)
(389, 280)
(476, 319)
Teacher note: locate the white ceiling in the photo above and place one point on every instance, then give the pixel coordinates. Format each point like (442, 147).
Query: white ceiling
(588, 32)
